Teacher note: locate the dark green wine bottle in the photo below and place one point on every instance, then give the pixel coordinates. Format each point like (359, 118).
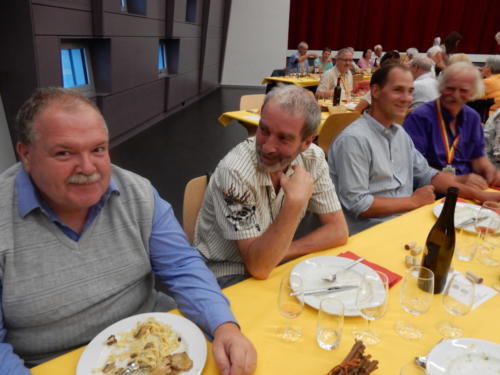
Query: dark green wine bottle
(440, 243)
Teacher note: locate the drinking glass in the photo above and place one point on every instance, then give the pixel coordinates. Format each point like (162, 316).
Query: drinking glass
(290, 305)
(417, 293)
(465, 245)
(371, 301)
(330, 323)
(487, 225)
(458, 298)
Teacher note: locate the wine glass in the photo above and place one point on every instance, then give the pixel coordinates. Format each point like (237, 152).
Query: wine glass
(487, 225)
(458, 298)
(417, 293)
(371, 301)
(290, 305)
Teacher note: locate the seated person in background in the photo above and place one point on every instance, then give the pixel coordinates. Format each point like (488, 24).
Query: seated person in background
(355, 69)
(378, 52)
(411, 53)
(262, 188)
(425, 85)
(324, 62)
(299, 61)
(340, 70)
(492, 138)
(459, 57)
(448, 133)
(491, 75)
(435, 53)
(391, 57)
(366, 62)
(82, 240)
(374, 165)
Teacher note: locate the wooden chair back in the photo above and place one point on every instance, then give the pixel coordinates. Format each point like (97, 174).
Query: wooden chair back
(333, 126)
(253, 101)
(194, 192)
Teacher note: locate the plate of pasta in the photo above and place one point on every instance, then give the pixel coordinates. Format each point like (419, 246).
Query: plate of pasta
(159, 343)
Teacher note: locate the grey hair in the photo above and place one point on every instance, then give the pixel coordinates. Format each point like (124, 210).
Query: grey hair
(377, 46)
(295, 100)
(434, 50)
(422, 62)
(39, 101)
(462, 68)
(494, 63)
(412, 51)
(344, 51)
(302, 44)
(497, 37)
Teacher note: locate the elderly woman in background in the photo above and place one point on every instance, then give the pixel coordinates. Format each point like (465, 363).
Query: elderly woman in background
(365, 62)
(324, 62)
(491, 75)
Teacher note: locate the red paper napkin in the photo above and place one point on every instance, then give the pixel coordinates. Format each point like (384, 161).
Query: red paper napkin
(393, 277)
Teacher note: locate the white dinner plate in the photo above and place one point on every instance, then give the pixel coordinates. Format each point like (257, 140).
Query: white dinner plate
(96, 353)
(313, 270)
(463, 211)
(464, 356)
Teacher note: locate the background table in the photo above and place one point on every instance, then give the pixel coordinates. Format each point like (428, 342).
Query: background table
(254, 304)
(308, 81)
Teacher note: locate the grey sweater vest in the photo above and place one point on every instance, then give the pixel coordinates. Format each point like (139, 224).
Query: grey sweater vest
(58, 293)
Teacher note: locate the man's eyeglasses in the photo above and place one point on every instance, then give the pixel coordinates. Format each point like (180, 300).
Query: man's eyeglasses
(342, 59)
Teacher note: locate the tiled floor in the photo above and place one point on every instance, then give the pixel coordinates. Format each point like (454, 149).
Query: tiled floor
(185, 145)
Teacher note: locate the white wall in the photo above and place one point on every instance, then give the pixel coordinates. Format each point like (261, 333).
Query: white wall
(7, 157)
(257, 41)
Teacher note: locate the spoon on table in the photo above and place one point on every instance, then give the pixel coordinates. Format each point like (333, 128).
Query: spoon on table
(331, 278)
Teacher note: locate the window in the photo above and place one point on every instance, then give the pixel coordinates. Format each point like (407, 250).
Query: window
(76, 69)
(123, 4)
(162, 58)
(191, 10)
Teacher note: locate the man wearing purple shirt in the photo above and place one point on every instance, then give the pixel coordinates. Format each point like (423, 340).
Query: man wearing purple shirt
(449, 134)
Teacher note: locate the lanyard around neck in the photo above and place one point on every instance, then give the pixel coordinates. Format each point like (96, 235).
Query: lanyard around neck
(450, 150)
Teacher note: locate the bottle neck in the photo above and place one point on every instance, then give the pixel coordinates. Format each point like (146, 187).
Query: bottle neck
(448, 213)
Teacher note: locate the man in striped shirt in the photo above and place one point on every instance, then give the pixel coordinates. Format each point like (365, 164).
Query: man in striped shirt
(261, 190)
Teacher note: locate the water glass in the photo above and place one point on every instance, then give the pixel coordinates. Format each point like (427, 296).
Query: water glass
(290, 305)
(330, 323)
(465, 247)
(487, 225)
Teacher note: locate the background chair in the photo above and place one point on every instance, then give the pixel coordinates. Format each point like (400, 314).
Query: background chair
(194, 193)
(251, 101)
(275, 73)
(333, 126)
(482, 106)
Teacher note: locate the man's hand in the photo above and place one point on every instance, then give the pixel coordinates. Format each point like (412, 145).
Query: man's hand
(424, 195)
(474, 180)
(232, 351)
(298, 187)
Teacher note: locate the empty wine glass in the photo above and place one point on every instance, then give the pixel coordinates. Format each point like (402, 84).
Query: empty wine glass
(290, 305)
(458, 298)
(371, 301)
(487, 225)
(417, 293)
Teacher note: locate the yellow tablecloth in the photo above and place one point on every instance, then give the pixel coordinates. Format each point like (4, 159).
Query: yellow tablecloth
(311, 80)
(253, 118)
(254, 304)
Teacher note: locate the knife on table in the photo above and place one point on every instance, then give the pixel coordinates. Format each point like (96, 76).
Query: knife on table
(332, 289)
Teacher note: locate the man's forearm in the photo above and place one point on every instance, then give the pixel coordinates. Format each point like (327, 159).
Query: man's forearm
(268, 250)
(328, 235)
(383, 206)
(442, 181)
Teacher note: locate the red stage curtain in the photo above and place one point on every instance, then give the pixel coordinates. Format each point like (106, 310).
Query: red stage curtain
(396, 24)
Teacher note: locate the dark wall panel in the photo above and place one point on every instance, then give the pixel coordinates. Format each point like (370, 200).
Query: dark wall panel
(127, 25)
(181, 29)
(181, 88)
(129, 109)
(189, 55)
(61, 21)
(72, 4)
(137, 59)
(49, 63)
(211, 78)
(212, 52)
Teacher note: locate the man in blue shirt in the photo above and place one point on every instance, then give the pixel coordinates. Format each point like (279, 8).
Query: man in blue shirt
(377, 170)
(449, 133)
(81, 239)
(299, 62)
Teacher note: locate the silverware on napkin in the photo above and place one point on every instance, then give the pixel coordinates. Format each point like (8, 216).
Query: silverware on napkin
(332, 289)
